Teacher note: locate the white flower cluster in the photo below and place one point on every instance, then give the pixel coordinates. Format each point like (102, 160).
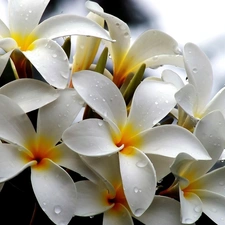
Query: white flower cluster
(134, 131)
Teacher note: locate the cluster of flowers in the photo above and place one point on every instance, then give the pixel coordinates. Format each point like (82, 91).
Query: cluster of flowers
(134, 130)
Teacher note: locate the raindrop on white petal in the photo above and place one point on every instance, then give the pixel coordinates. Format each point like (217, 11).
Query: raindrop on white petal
(139, 211)
(136, 190)
(142, 163)
(194, 70)
(198, 209)
(91, 217)
(54, 55)
(177, 50)
(214, 210)
(100, 123)
(188, 220)
(221, 183)
(57, 209)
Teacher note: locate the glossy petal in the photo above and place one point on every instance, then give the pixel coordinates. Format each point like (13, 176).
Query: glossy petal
(12, 161)
(8, 44)
(48, 178)
(163, 210)
(56, 117)
(151, 43)
(213, 205)
(4, 30)
(102, 95)
(139, 180)
(152, 101)
(66, 25)
(216, 103)
(17, 125)
(161, 141)
(118, 31)
(199, 72)
(90, 137)
(191, 207)
(170, 76)
(117, 215)
(213, 181)
(210, 131)
(71, 160)
(91, 199)
(4, 60)
(187, 99)
(29, 94)
(55, 67)
(24, 16)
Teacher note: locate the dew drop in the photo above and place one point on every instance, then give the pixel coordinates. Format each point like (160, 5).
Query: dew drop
(91, 217)
(139, 212)
(188, 220)
(214, 210)
(221, 183)
(57, 209)
(54, 55)
(156, 103)
(136, 190)
(142, 163)
(198, 209)
(100, 123)
(194, 70)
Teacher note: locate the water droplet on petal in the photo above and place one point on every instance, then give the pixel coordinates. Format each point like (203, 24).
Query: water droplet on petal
(136, 190)
(188, 220)
(221, 183)
(198, 209)
(194, 70)
(57, 209)
(139, 212)
(54, 55)
(142, 163)
(100, 123)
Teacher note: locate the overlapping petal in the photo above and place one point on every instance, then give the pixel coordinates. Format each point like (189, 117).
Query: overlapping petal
(4, 30)
(17, 126)
(3, 60)
(139, 179)
(90, 137)
(49, 179)
(54, 57)
(55, 117)
(8, 44)
(163, 210)
(29, 94)
(91, 199)
(12, 161)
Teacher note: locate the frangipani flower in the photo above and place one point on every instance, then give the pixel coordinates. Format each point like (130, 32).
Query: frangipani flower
(153, 48)
(43, 152)
(107, 196)
(133, 136)
(35, 40)
(198, 190)
(195, 97)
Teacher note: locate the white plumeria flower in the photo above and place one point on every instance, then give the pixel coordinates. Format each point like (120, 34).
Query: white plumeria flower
(107, 196)
(154, 48)
(29, 94)
(35, 40)
(195, 97)
(198, 190)
(43, 152)
(133, 136)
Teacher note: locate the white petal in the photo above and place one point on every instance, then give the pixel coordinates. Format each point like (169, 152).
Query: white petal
(118, 30)
(66, 25)
(56, 117)
(4, 60)
(102, 95)
(210, 131)
(12, 161)
(139, 180)
(8, 44)
(216, 103)
(91, 199)
(90, 137)
(25, 15)
(17, 126)
(4, 29)
(213, 181)
(118, 215)
(163, 210)
(29, 94)
(187, 99)
(71, 160)
(170, 140)
(170, 76)
(55, 66)
(213, 205)
(199, 72)
(55, 191)
(151, 43)
(191, 207)
(152, 101)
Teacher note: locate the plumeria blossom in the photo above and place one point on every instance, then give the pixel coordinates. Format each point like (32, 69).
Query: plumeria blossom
(198, 190)
(131, 137)
(195, 98)
(107, 196)
(43, 152)
(153, 48)
(34, 40)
